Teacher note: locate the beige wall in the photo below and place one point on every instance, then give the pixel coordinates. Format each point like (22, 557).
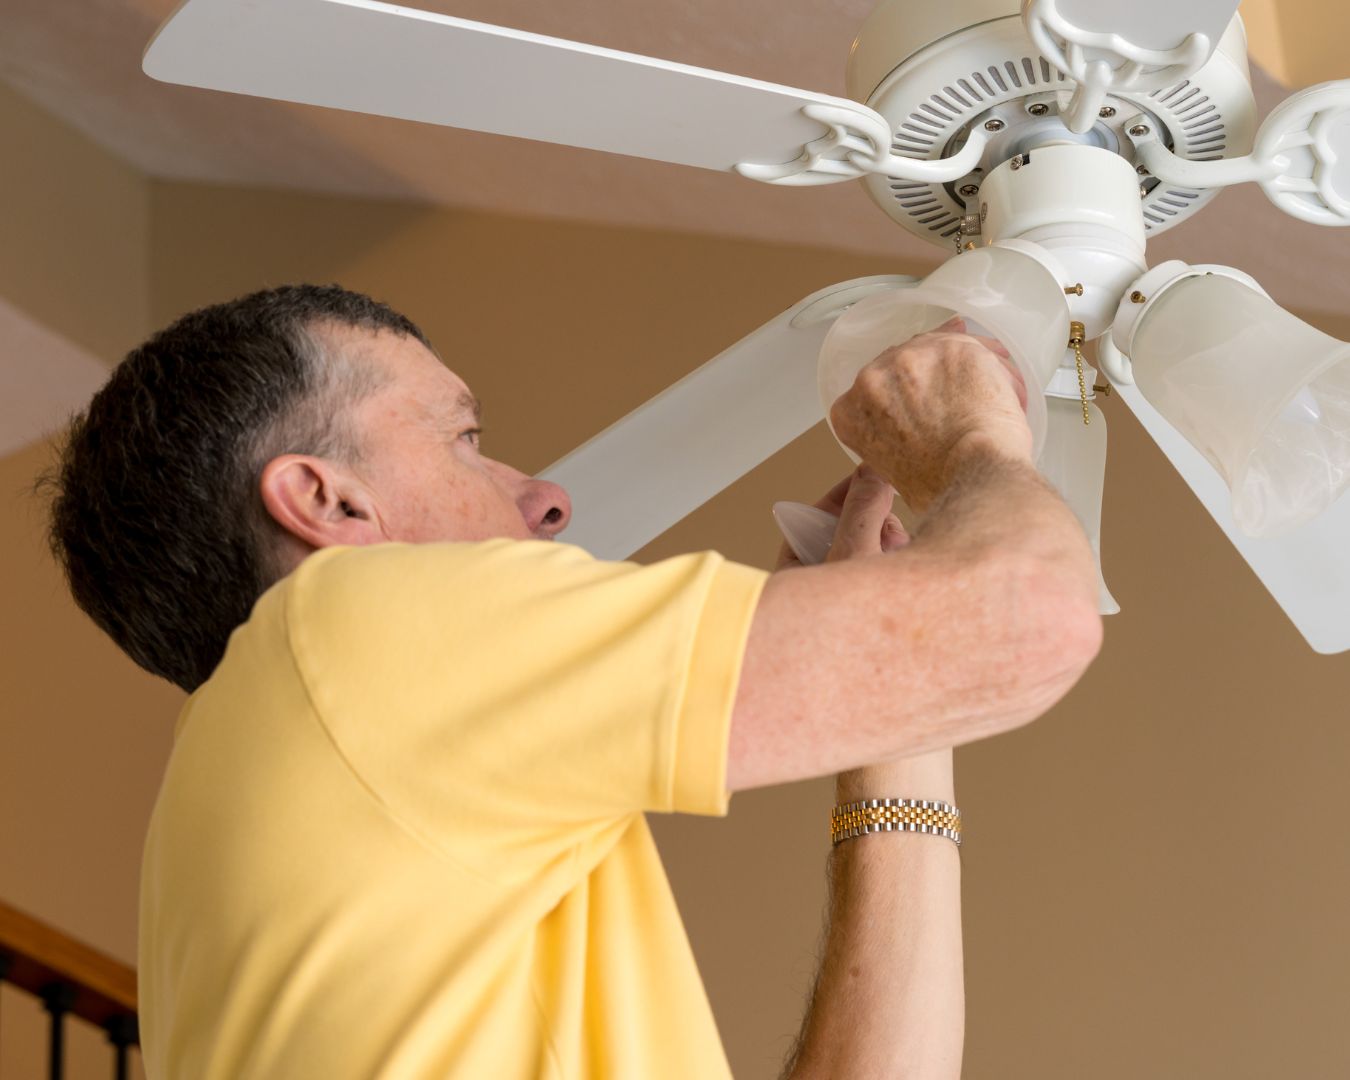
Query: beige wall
(1149, 892)
(83, 733)
(74, 222)
(1300, 42)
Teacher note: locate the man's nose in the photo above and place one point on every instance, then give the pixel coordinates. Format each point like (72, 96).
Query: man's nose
(546, 507)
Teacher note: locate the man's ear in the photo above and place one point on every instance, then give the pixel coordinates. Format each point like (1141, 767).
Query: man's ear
(318, 503)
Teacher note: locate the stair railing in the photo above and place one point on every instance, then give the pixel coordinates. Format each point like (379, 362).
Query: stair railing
(70, 979)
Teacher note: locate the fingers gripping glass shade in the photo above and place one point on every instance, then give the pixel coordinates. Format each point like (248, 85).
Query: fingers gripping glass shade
(1261, 394)
(1005, 293)
(1074, 460)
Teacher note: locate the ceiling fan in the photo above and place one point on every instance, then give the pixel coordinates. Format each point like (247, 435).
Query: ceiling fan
(1040, 147)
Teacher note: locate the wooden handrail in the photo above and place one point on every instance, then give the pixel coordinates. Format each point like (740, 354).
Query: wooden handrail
(41, 956)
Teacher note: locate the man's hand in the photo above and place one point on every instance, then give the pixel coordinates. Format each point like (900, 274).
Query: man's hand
(862, 502)
(914, 410)
(986, 618)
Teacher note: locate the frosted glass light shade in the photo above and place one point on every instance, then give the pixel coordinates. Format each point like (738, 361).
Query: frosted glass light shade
(1263, 395)
(1005, 293)
(1074, 460)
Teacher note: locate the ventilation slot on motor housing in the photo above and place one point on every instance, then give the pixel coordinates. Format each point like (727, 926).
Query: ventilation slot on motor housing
(1198, 134)
(929, 127)
(1193, 120)
(940, 91)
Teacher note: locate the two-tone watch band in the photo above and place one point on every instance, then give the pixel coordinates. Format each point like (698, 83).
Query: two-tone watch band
(895, 815)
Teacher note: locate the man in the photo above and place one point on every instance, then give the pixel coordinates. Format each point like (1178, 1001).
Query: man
(401, 833)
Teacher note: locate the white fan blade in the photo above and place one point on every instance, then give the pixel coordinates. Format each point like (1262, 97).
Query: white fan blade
(43, 379)
(1111, 47)
(372, 57)
(1146, 28)
(1307, 571)
(670, 455)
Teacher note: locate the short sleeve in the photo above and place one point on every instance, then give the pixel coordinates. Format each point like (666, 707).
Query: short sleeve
(521, 687)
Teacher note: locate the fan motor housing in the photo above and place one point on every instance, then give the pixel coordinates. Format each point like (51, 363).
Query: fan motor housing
(971, 62)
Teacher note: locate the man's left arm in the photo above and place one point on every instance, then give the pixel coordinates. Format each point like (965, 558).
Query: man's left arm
(889, 998)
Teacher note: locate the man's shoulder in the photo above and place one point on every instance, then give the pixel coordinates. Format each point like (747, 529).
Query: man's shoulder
(342, 580)
(400, 606)
(408, 562)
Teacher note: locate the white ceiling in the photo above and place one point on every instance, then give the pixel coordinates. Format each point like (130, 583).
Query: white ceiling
(81, 60)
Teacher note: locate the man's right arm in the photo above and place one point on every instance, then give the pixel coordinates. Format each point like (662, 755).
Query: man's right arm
(979, 625)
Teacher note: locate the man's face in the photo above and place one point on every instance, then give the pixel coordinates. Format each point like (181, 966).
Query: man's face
(419, 434)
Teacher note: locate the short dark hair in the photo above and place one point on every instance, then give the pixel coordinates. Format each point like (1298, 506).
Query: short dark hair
(156, 515)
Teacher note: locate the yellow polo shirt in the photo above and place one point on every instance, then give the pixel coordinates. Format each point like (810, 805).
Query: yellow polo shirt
(401, 831)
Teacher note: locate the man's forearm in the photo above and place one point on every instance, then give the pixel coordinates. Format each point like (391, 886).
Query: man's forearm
(980, 624)
(998, 504)
(889, 1000)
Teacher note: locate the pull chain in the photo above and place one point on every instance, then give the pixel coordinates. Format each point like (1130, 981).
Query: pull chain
(1077, 331)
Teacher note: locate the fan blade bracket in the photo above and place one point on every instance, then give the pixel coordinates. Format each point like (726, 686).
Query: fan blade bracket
(1166, 166)
(1307, 137)
(857, 143)
(1104, 62)
(1301, 156)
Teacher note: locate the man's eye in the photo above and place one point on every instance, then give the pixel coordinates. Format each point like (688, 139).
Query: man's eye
(473, 435)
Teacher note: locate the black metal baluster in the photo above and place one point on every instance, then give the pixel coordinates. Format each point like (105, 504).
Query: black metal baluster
(58, 997)
(6, 962)
(122, 1033)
